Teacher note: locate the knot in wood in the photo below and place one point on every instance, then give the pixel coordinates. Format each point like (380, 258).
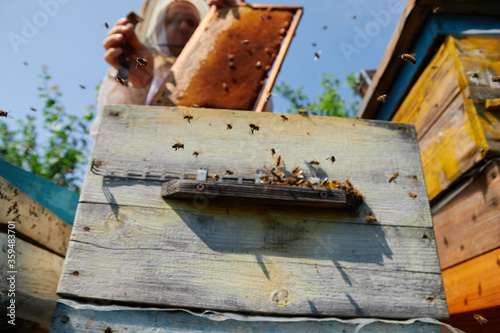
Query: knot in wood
(280, 296)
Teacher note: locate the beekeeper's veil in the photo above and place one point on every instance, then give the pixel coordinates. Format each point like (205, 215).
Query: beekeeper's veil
(153, 33)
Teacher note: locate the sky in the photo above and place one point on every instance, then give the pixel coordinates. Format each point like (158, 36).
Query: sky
(67, 35)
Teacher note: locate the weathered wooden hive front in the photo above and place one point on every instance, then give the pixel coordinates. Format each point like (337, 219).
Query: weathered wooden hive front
(132, 246)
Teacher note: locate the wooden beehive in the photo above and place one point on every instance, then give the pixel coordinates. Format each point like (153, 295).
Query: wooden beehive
(453, 110)
(131, 245)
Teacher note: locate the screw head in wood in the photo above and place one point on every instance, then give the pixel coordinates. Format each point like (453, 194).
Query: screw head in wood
(323, 194)
(200, 187)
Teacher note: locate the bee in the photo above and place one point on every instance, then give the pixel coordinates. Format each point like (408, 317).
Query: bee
(196, 153)
(3, 113)
(324, 27)
(216, 177)
(254, 127)
(231, 65)
(412, 195)
(409, 58)
(229, 172)
(354, 17)
(141, 62)
(178, 145)
(495, 78)
(268, 97)
(82, 86)
(224, 86)
(314, 162)
(435, 10)
(278, 161)
(264, 177)
(245, 41)
(331, 158)
(303, 112)
(273, 151)
(284, 118)
(382, 98)
(480, 319)
(393, 177)
(370, 218)
(25, 63)
(229, 126)
(295, 169)
(474, 75)
(258, 64)
(106, 25)
(316, 55)
(120, 80)
(188, 117)
(348, 183)
(32, 109)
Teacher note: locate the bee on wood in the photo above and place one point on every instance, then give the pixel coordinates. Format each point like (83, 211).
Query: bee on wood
(216, 177)
(495, 78)
(273, 151)
(409, 58)
(188, 117)
(245, 41)
(278, 161)
(264, 177)
(82, 86)
(229, 126)
(254, 127)
(324, 183)
(268, 97)
(284, 118)
(331, 158)
(303, 112)
(196, 153)
(370, 218)
(3, 113)
(300, 182)
(316, 55)
(141, 62)
(348, 183)
(295, 169)
(480, 319)
(178, 145)
(258, 64)
(229, 172)
(120, 80)
(314, 163)
(412, 195)
(474, 75)
(393, 177)
(32, 109)
(106, 25)
(224, 86)
(230, 57)
(382, 98)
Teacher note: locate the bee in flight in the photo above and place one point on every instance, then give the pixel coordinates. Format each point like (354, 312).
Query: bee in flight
(314, 163)
(316, 55)
(106, 25)
(141, 62)
(120, 80)
(3, 113)
(382, 98)
(480, 319)
(196, 153)
(254, 127)
(82, 86)
(278, 161)
(409, 58)
(178, 145)
(229, 172)
(188, 117)
(393, 177)
(216, 177)
(331, 158)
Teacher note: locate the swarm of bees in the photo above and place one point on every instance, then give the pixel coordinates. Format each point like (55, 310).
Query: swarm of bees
(409, 58)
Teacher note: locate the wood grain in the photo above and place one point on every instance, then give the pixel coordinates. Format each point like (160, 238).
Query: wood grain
(474, 284)
(247, 257)
(163, 322)
(468, 225)
(32, 219)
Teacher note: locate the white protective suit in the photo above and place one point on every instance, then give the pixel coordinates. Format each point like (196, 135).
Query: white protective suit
(155, 38)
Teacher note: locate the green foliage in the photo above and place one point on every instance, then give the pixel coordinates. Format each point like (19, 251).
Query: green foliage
(64, 147)
(328, 102)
